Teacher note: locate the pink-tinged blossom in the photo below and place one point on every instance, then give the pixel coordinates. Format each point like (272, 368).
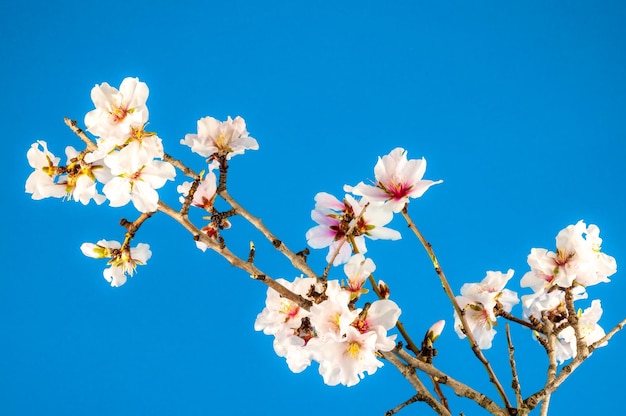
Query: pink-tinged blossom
(117, 112)
(205, 193)
(332, 316)
(123, 262)
(335, 220)
(577, 260)
(397, 180)
(479, 302)
(342, 340)
(491, 291)
(281, 314)
(227, 138)
(203, 198)
(347, 340)
(358, 269)
(381, 316)
(288, 323)
(478, 319)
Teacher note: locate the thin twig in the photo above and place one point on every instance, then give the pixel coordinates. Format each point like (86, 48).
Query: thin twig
(91, 146)
(515, 384)
(422, 392)
(184, 210)
(222, 250)
(533, 400)
(608, 336)
(581, 346)
(535, 327)
(181, 166)
(329, 266)
(552, 363)
(297, 261)
(415, 398)
(459, 388)
(466, 329)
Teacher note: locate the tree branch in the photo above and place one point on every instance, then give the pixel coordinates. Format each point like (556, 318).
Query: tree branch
(422, 392)
(297, 261)
(235, 261)
(466, 329)
(459, 388)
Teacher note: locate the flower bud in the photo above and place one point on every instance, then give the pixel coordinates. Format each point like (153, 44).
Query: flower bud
(435, 330)
(383, 289)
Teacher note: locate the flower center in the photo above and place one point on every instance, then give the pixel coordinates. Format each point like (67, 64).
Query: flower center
(361, 325)
(289, 309)
(354, 349)
(118, 113)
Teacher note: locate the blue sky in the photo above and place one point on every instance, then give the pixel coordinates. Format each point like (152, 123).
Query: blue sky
(518, 107)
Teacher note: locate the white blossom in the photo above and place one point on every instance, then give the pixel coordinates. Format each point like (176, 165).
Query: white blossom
(117, 112)
(479, 302)
(214, 137)
(577, 260)
(123, 260)
(397, 180)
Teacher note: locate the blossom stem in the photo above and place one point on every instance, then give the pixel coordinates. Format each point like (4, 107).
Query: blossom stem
(608, 336)
(512, 318)
(552, 364)
(581, 346)
(189, 198)
(132, 227)
(514, 375)
(466, 328)
(297, 261)
(181, 166)
(223, 172)
(332, 260)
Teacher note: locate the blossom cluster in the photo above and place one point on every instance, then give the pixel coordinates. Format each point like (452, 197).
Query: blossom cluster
(123, 261)
(343, 225)
(127, 162)
(342, 338)
(126, 159)
(479, 302)
(576, 264)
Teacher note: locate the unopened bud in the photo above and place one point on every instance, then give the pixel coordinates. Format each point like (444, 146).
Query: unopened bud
(435, 330)
(383, 289)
